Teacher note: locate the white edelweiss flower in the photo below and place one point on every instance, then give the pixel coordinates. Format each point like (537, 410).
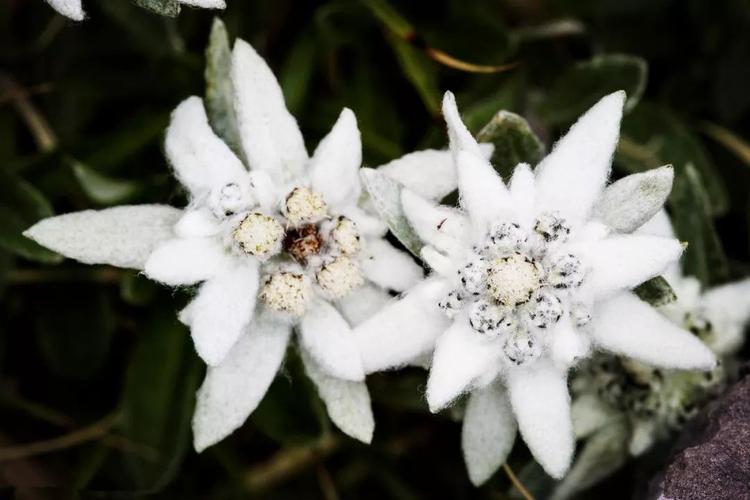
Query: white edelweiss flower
(621, 407)
(527, 280)
(73, 9)
(281, 246)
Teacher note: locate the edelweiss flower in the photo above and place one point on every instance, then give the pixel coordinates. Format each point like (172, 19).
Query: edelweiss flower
(281, 245)
(73, 9)
(526, 281)
(622, 407)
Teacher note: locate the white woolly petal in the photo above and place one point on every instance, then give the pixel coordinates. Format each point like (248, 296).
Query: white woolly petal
(68, 8)
(440, 263)
(488, 432)
(728, 309)
(625, 261)
(572, 176)
(206, 4)
(567, 345)
(327, 337)
(459, 137)
(233, 389)
(366, 301)
(186, 261)
(628, 326)
(347, 403)
(405, 329)
(482, 192)
(197, 223)
(368, 225)
(522, 194)
(440, 226)
(334, 167)
(430, 173)
(633, 200)
(388, 267)
(222, 310)
(590, 414)
(541, 403)
(201, 160)
(119, 236)
(463, 360)
(270, 136)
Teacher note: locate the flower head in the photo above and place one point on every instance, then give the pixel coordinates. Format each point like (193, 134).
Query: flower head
(528, 279)
(276, 244)
(73, 9)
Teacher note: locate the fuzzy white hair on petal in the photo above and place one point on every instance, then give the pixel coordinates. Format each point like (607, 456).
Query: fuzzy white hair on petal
(120, 236)
(205, 4)
(71, 9)
(459, 137)
(482, 192)
(388, 267)
(186, 261)
(443, 227)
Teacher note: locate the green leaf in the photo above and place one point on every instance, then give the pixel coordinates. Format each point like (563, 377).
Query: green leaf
(291, 412)
(219, 93)
(514, 142)
(75, 332)
(103, 189)
(169, 8)
(602, 454)
(136, 289)
(420, 71)
(704, 257)
(158, 400)
(385, 194)
(297, 73)
(390, 17)
(21, 205)
(583, 84)
(656, 292)
(653, 136)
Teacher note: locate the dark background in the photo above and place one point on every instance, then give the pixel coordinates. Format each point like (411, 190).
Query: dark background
(97, 378)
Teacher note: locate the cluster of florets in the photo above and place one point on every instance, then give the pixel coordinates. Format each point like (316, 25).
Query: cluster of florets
(516, 285)
(304, 246)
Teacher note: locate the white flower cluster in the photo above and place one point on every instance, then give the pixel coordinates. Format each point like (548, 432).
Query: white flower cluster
(73, 9)
(527, 278)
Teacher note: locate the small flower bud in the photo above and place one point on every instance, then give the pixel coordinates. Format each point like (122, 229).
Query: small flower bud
(545, 309)
(339, 276)
(286, 292)
(580, 314)
(303, 205)
(521, 347)
(473, 275)
(566, 272)
(230, 199)
(302, 243)
(506, 237)
(259, 235)
(552, 227)
(346, 236)
(452, 303)
(490, 319)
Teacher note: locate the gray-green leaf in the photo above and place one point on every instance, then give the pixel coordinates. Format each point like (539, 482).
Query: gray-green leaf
(656, 292)
(514, 142)
(169, 8)
(385, 194)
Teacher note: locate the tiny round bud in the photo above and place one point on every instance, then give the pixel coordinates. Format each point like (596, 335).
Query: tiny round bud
(339, 277)
(506, 237)
(490, 319)
(346, 236)
(452, 303)
(286, 292)
(473, 275)
(552, 227)
(259, 234)
(230, 199)
(303, 242)
(303, 205)
(566, 272)
(512, 279)
(521, 347)
(545, 309)
(580, 314)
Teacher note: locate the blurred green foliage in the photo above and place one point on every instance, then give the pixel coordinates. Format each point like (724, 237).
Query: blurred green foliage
(96, 354)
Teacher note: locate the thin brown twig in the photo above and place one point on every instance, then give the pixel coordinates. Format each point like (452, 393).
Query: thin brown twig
(327, 486)
(44, 136)
(517, 482)
(287, 462)
(94, 431)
